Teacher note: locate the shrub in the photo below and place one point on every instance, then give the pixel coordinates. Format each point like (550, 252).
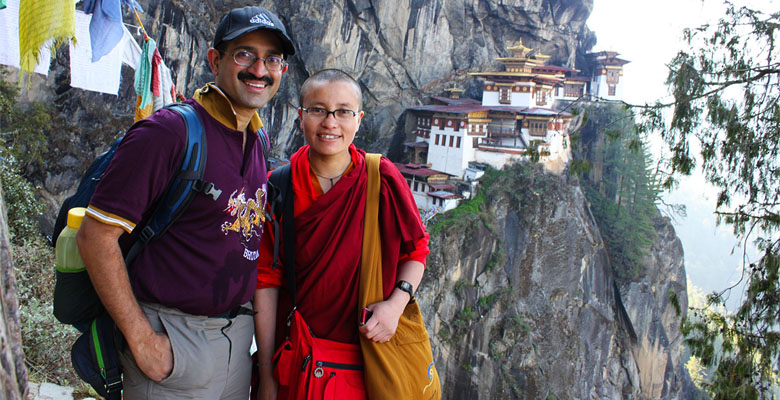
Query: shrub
(21, 200)
(46, 341)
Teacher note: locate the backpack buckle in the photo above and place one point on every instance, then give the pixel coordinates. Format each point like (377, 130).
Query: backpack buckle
(208, 189)
(115, 385)
(146, 234)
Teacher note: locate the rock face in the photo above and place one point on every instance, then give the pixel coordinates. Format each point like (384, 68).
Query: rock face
(400, 51)
(521, 303)
(659, 343)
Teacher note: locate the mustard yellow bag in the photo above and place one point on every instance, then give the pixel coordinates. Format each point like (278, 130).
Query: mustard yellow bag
(402, 368)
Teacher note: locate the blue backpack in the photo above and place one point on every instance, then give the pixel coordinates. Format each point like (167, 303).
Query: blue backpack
(94, 355)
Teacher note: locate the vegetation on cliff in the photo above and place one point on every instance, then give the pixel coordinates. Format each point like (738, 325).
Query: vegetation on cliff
(620, 184)
(520, 183)
(45, 341)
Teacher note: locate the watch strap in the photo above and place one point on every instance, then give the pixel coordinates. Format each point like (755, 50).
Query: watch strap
(406, 287)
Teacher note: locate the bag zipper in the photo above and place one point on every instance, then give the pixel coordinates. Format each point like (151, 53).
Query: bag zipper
(328, 364)
(305, 362)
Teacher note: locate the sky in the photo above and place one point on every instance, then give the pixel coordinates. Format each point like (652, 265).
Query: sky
(649, 34)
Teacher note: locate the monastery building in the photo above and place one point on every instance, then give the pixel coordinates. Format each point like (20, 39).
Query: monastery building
(522, 111)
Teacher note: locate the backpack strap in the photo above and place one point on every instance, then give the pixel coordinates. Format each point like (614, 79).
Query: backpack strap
(281, 179)
(86, 188)
(264, 141)
(187, 182)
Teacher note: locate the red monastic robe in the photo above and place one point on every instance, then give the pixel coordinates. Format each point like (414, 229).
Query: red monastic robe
(328, 240)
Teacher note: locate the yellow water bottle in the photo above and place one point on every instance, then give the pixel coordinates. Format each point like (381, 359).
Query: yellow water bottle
(75, 299)
(66, 249)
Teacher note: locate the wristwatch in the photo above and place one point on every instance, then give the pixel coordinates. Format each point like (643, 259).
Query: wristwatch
(406, 287)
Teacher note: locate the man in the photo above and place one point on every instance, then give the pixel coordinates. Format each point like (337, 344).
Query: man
(329, 181)
(182, 305)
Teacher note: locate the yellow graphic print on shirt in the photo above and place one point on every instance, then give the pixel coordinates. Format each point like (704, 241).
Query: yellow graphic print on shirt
(249, 214)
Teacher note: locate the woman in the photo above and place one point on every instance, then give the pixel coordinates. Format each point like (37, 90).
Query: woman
(329, 181)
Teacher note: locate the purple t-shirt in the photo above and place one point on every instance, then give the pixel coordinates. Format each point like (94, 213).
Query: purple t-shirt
(206, 263)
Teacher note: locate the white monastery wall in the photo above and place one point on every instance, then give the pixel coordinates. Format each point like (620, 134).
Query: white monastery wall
(490, 98)
(496, 159)
(446, 158)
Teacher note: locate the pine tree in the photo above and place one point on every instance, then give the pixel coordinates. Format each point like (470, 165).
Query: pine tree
(620, 186)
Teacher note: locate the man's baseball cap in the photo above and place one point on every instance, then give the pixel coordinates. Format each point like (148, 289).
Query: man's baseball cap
(244, 20)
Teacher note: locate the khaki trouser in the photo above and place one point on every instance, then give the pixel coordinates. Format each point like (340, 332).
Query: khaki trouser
(211, 357)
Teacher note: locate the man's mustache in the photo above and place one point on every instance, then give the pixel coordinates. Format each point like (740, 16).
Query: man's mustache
(244, 76)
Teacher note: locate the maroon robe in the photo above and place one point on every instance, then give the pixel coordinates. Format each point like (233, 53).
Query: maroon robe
(328, 240)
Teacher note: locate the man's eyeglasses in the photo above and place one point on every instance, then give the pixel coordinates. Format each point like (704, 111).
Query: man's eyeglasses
(320, 113)
(247, 59)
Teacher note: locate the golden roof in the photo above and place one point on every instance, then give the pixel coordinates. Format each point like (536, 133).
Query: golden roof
(454, 89)
(519, 50)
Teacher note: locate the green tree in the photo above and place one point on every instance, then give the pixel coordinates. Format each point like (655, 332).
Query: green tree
(22, 143)
(620, 185)
(23, 129)
(725, 119)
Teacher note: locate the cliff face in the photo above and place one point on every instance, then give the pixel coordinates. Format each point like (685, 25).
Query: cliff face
(400, 51)
(522, 304)
(659, 344)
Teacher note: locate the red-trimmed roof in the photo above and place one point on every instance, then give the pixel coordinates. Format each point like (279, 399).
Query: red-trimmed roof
(451, 101)
(442, 194)
(608, 58)
(529, 110)
(416, 144)
(465, 109)
(454, 109)
(578, 78)
(554, 68)
(442, 186)
(418, 170)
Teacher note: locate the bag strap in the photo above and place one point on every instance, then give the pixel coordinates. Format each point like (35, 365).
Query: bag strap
(183, 187)
(370, 286)
(281, 178)
(102, 330)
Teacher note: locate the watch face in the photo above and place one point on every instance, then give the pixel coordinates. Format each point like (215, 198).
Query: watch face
(405, 286)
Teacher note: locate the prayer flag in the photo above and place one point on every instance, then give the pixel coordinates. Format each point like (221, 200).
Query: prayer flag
(143, 74)
(105, 28)
(132, 52)
(151, 82)
(41, 21)
(97, 76)
(9, 39)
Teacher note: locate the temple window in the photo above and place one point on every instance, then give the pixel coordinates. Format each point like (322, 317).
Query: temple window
(503, 95)
(572, 90)
(613, 76)
(541, 96)
(538, 128)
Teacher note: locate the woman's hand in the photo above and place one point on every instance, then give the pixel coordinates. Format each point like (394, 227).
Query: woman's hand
(383, 322)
